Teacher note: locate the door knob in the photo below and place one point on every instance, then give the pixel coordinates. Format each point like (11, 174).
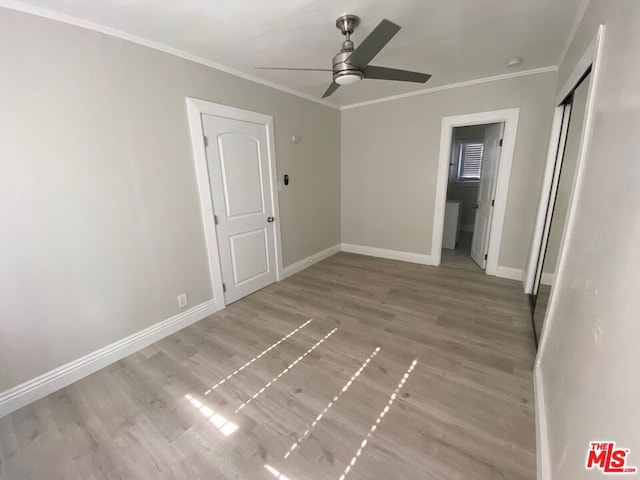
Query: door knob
(475, 206)
(270, 219)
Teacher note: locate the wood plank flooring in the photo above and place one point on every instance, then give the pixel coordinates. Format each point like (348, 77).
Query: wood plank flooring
(464, 411)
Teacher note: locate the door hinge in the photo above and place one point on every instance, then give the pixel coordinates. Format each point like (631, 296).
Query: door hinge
(493, 202)
(485, 256)
(215, 219)
(224, 287)
(206, 141)
(500, 141)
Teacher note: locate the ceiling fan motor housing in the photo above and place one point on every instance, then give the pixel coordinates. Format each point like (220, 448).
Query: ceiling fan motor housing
(342, 68)
(346, 24)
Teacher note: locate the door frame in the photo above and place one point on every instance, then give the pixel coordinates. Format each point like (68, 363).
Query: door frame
(587, 60)
(195, 109)
(540, 233)
(592, 56)
(510, 118)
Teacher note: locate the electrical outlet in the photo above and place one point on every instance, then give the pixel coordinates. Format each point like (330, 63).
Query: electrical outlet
(182, 300)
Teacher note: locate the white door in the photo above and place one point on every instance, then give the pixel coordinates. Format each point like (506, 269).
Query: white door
(486, 192)
(238, 162)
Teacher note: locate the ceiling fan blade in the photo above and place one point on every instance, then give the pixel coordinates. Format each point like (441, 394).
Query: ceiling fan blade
(384, 73)
(304, 69)
(332, 88)
(372, 45)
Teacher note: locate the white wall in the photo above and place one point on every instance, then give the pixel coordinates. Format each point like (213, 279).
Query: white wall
(390, 155)
(590, 356)
(100, 220)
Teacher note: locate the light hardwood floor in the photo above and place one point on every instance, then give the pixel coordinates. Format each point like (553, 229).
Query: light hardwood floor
(465, 410)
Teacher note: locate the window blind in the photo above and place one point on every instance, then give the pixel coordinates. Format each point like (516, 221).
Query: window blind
(470, 164)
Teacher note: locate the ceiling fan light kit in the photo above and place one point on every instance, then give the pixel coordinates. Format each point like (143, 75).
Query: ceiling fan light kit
(347, 78)
(350, 64)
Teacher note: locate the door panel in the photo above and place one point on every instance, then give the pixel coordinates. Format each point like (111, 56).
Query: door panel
(486, 192)
(238, 161)
(477, 242)
(241, 174)
(247, 264)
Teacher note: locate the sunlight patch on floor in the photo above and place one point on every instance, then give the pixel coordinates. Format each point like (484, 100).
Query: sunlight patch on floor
(384, 411)
(331, 403)
(293, 332)
(226, 426)
(289, 367)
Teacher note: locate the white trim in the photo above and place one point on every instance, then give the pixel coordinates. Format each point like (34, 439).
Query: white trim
(542, 439)
(112, 32)
(546, 279)
(552, 173)
(41, 386)
(594, 55)
(552, 196)
(574, 29)
(543, 205)
(588, 58)
(310, 260)
(509, 272)
(494, 78)
(411, 257)
(195, 109)
(422, 259)
(510, 119)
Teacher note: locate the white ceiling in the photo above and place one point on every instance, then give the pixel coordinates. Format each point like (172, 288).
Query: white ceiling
(454, 40)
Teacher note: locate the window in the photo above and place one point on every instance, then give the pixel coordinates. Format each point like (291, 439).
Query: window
(470, 162)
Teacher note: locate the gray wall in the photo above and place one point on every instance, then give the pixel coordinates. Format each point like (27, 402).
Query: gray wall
(390, 155)
(590, 356)
(101, 226)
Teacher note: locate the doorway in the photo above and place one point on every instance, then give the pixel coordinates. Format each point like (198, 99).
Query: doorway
(476, 152)
(235, 166)
(475, 156)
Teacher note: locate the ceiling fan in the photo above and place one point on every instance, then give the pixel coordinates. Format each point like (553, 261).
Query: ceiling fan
(350, 64)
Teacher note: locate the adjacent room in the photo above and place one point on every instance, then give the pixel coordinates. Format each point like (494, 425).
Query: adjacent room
(473, 169)
(319, 240)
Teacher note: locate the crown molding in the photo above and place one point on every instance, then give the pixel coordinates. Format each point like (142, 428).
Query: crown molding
(112, 32)
(533, 71)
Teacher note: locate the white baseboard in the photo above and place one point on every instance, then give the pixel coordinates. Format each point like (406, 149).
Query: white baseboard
(509, 272)
(542, 441)
(39, 387)
(466, 228)
(421, 258)
(310, 260)
(547, 279)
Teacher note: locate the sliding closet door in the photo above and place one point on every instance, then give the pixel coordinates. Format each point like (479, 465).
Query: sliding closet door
(559, 204)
